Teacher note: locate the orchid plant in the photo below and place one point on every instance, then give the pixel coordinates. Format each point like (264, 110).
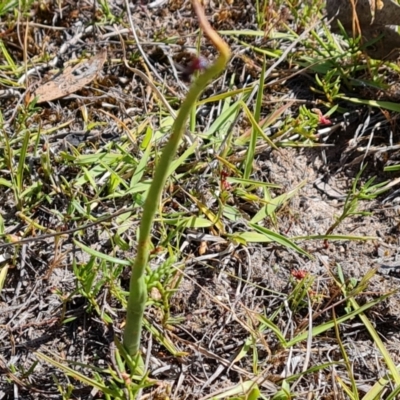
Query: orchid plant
(138, 290)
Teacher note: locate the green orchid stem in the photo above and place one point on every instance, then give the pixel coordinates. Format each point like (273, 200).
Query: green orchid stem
(138, 290)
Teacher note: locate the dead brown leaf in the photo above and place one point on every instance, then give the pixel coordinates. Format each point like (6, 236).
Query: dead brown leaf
(72, 79)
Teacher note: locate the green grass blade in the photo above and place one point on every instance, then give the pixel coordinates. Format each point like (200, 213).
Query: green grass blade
(76, 375)
(387, 105)
(228, 115)
(278, 238)
(274, 328)
(248, 166)
(353, 393)
(273, 204)
(378, 341)
(257, 127)
(21, 161)
(102, 256)
(394, 395)
(330, 324)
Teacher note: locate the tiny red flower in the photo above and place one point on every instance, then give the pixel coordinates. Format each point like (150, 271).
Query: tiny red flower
(299, 274)
(321, 118)
(225, 185)
(324, 121)
(198, 64)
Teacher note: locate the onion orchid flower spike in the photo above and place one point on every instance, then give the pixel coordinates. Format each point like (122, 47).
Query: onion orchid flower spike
(196, 64)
